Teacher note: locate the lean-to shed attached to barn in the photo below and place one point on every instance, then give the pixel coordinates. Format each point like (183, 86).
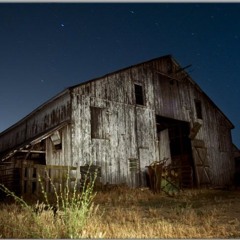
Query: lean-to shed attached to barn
(124, 121)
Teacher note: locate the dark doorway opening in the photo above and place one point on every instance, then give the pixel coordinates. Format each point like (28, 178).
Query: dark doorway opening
(179, 146)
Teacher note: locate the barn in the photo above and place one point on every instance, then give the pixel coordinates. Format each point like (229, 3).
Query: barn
(122, 122)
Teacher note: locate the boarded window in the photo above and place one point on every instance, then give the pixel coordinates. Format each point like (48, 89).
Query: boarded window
(97, 126)
(56, 140)
(198, 108)
(139, 94)
(133, 164)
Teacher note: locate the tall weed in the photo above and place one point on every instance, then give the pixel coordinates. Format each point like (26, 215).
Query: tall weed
(65, 218)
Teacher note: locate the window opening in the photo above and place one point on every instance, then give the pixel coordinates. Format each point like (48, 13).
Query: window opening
(198, 108)
(139, 94)
(34, 174)
(34, 187)
(97, 123)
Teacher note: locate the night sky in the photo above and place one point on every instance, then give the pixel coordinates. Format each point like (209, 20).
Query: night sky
(47, 47)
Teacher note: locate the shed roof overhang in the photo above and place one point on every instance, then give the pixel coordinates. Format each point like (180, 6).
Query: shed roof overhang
(27, 147)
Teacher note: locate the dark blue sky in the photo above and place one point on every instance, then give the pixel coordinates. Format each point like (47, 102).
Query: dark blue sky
(47, 47)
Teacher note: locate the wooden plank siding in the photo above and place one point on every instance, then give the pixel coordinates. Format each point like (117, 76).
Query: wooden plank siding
(36, 123)
(129, 128)
(9, 177)
(62, 156)
(110, 128)
(37, 178)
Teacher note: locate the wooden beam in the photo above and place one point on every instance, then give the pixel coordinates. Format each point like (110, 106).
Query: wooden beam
(195, 129)
(32, 151)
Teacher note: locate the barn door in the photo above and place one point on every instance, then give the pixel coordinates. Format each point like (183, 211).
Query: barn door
(164, 145)
(201, 163)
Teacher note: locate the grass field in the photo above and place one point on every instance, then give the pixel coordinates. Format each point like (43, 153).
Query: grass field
(121, 212)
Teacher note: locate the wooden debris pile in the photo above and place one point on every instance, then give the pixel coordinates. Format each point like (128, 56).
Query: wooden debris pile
(163, 177)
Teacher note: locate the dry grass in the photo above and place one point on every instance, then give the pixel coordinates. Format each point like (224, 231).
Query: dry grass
(193, 214)
(137, 213)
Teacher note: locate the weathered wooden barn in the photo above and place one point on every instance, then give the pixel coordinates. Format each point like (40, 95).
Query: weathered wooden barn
(125, 120)
(237, 166)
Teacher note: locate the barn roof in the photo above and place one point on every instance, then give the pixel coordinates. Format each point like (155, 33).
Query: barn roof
(152, 60)
(32, 141)
(68, 89)
(122, 70)
(169, 56)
